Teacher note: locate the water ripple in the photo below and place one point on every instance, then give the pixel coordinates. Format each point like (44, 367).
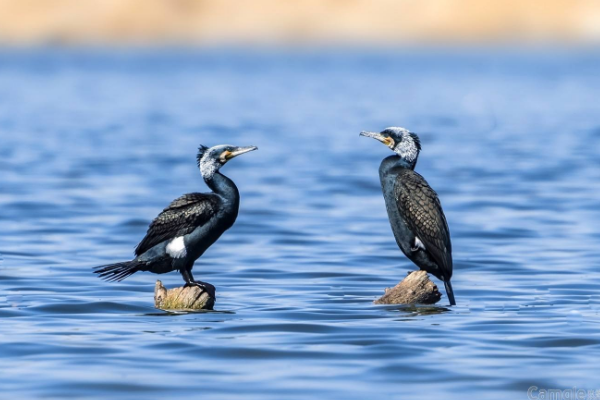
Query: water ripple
(94, 144)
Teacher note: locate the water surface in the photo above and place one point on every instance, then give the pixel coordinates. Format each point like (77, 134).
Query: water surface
(94, 144)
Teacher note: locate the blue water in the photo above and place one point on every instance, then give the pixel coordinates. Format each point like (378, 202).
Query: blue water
(93, 144)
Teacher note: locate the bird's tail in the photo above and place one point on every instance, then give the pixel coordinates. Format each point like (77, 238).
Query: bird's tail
(119, 271)
(450, 293)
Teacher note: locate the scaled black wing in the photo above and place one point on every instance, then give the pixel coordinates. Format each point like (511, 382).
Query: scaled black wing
(181, 217)
(421, 208)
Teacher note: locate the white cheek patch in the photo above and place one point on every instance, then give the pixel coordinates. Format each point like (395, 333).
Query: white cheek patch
(176, 248)
(207, 168)
(418, 244)
(408, 150)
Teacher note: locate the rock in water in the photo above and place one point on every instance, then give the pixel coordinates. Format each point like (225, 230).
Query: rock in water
(182, 298)
(416, 288)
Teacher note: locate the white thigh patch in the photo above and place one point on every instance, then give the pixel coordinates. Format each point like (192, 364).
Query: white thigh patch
(418, 244)
(176, 248)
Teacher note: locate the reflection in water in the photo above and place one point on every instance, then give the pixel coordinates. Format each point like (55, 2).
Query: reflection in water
(94, 145)
(163, 313)
(418, 310)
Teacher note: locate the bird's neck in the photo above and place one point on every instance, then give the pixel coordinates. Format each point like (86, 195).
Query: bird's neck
(395, 161)
(223, 186)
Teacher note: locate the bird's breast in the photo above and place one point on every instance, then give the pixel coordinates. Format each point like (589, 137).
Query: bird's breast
(402, 233)
(204, 236)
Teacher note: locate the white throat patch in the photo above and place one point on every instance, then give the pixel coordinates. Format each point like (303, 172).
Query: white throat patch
(407, 149)
(176, 248)
(208, 167)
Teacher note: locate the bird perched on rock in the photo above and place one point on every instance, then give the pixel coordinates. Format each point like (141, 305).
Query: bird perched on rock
(184, 230)
(413, 207)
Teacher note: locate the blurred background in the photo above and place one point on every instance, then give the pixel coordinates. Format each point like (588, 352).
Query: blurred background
(300, 21)
(104, 103)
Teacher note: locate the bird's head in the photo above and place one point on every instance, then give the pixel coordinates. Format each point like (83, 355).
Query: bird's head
(402, 142)
(211, 159)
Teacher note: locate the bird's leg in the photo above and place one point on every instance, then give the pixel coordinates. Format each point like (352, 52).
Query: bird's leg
(187, 277)
(189, 281)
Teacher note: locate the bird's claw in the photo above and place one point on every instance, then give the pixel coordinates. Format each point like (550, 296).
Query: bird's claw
(206, 287)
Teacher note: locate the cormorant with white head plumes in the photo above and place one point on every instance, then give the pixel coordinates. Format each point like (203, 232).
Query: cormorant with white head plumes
(184, 230)
(413, 207)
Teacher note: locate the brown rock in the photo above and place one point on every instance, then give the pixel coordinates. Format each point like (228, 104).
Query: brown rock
(182, 298)
(416, 288)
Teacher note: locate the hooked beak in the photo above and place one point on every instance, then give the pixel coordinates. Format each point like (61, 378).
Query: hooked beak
(373, 135)
(239, 151)
(378, 136)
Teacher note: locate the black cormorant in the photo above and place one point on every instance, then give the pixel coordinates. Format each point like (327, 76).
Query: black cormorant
(413, 207)
(189, 225)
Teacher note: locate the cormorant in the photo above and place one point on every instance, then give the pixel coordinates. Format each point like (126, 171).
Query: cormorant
(413, 207)
(184, 230)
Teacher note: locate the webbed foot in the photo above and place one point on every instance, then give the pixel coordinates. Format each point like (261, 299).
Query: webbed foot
(205, 286)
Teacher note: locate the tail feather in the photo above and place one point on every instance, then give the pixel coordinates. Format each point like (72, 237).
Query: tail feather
(117, 272)
(450, 292)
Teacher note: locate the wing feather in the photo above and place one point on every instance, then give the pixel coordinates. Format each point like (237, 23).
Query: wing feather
(422, 210)
(181, 217)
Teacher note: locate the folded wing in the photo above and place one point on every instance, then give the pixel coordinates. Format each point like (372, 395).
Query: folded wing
(421, 208)
(180, 218)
